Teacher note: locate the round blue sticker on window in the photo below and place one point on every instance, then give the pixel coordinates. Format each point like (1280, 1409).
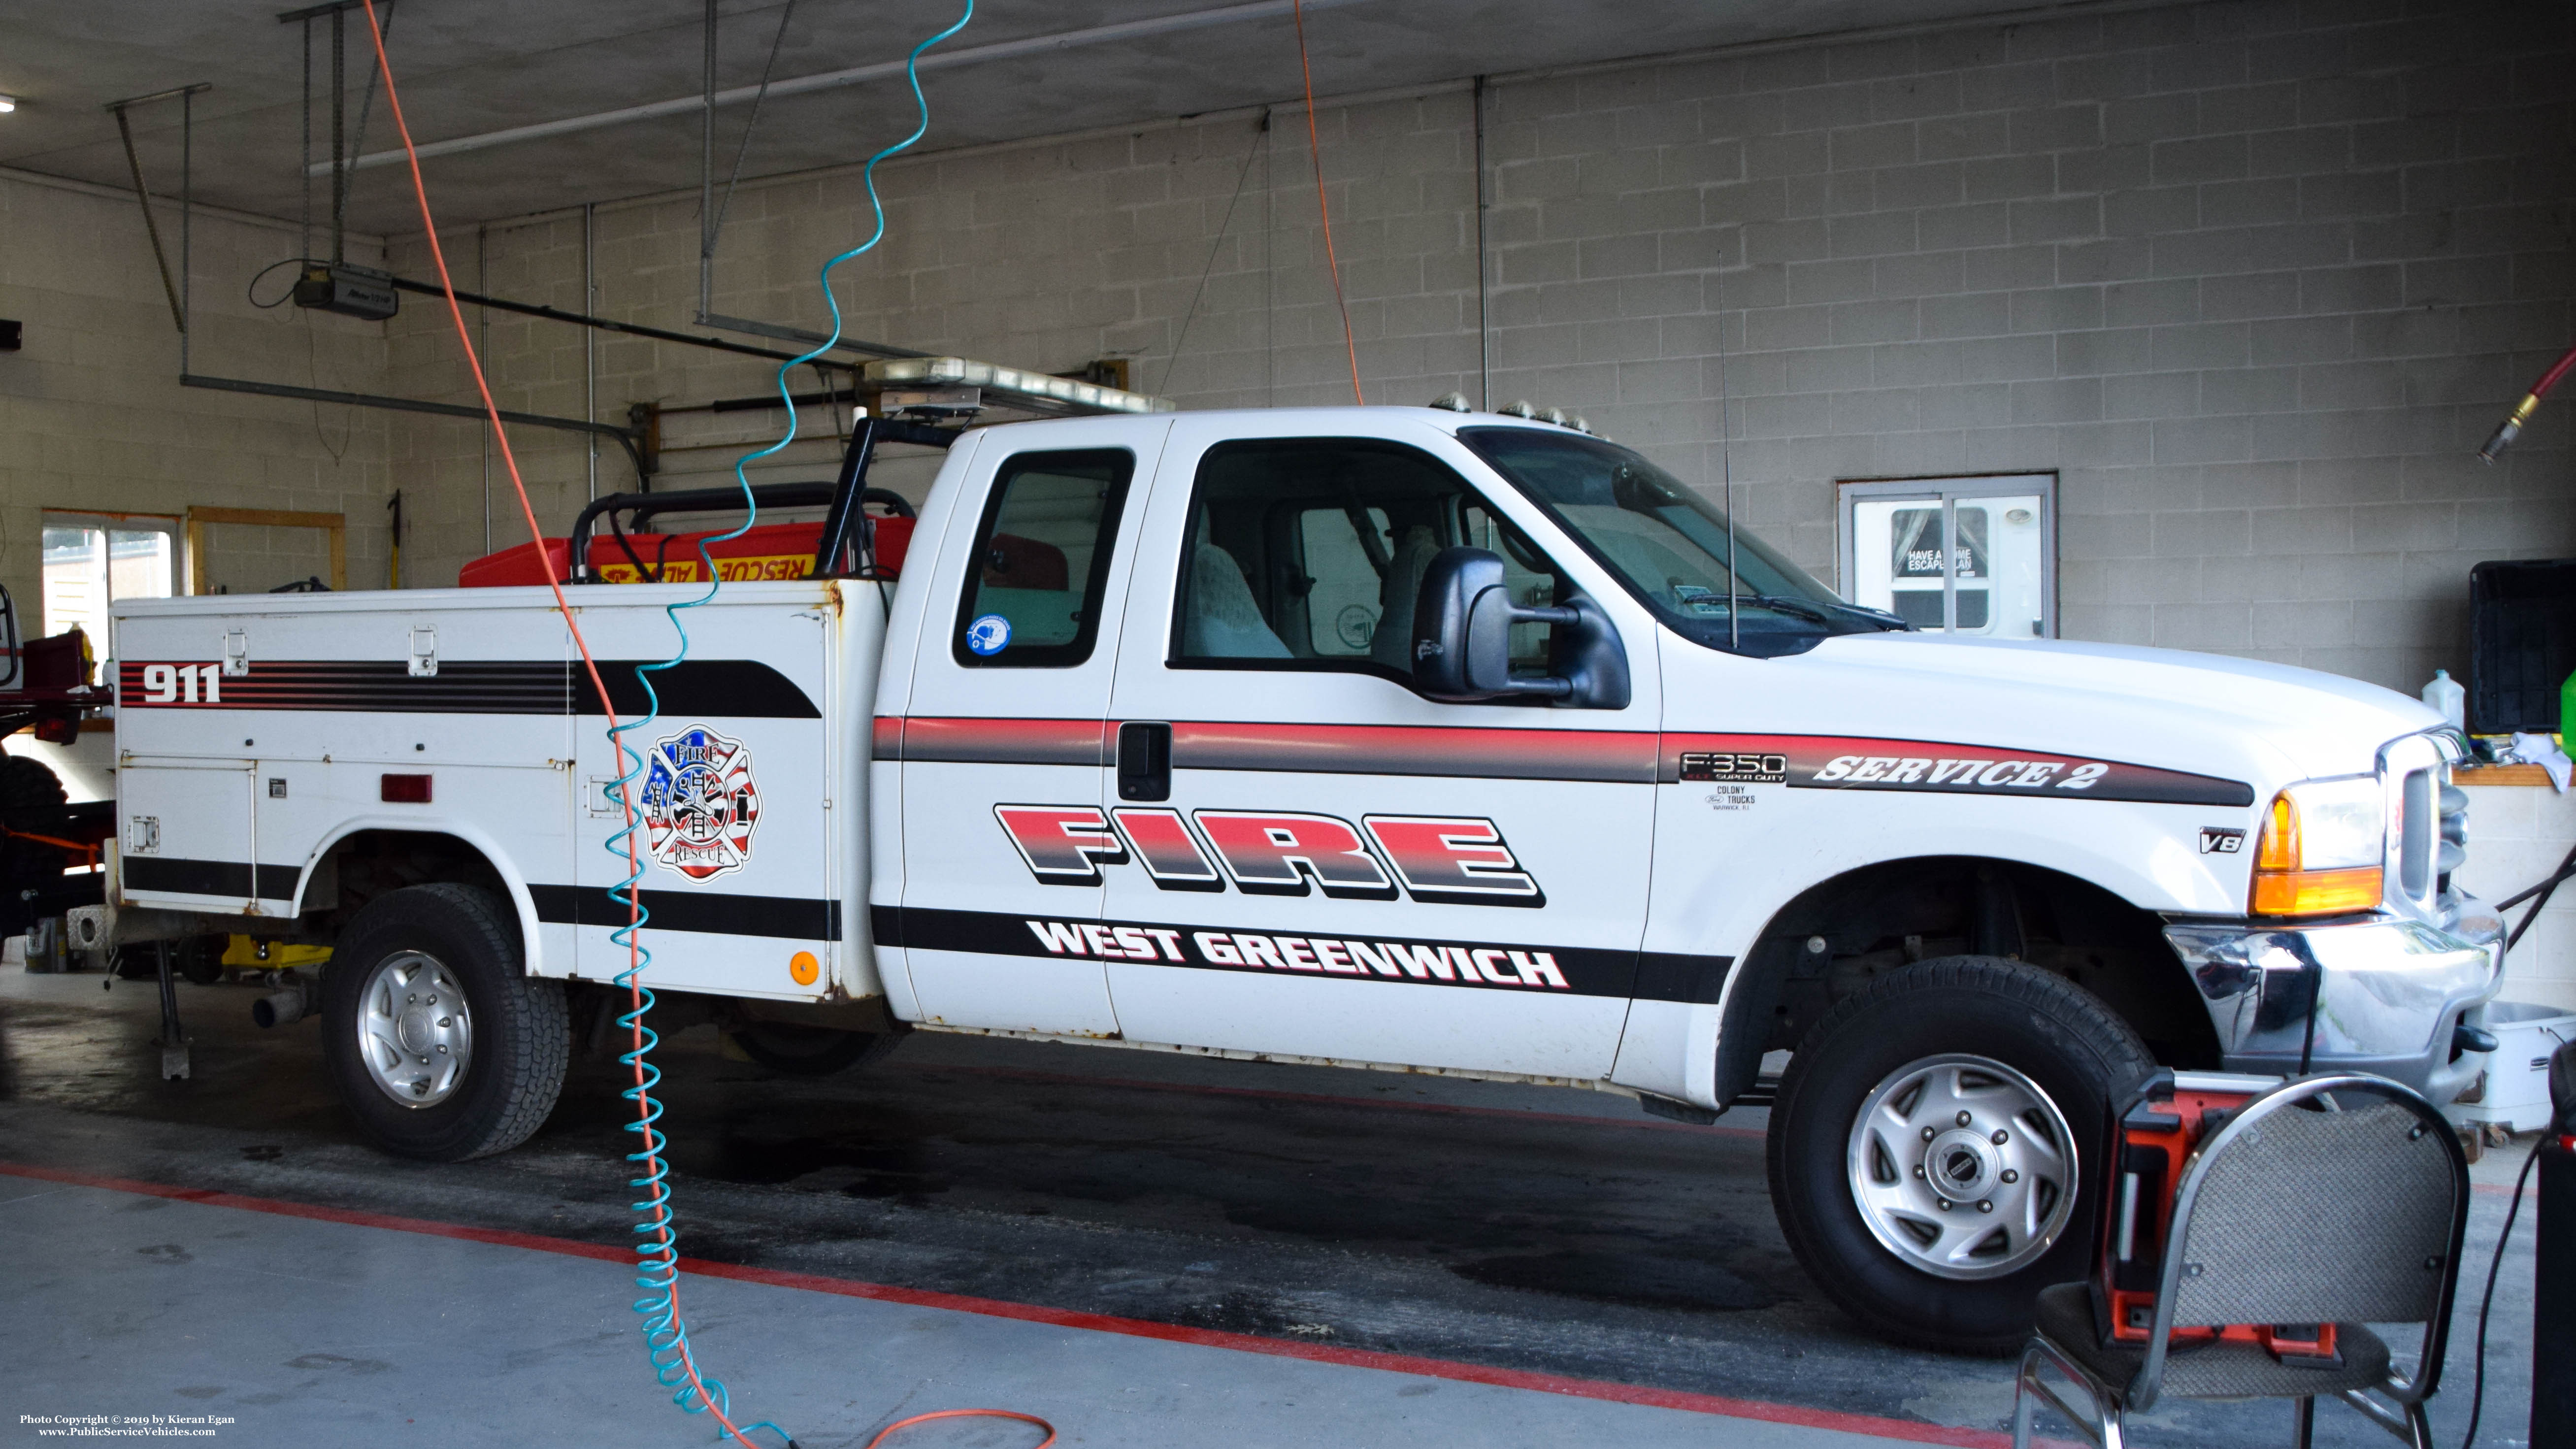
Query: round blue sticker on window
(990, 634)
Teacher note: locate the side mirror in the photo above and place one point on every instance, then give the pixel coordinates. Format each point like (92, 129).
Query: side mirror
(1462, 630)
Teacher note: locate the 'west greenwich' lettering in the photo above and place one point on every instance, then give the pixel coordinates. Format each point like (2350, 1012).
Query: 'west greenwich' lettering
(1324, 955)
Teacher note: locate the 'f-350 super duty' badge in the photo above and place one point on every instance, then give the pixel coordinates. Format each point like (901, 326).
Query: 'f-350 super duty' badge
(699, 803)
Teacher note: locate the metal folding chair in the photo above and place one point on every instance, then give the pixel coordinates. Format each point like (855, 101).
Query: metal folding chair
(2330, 1199)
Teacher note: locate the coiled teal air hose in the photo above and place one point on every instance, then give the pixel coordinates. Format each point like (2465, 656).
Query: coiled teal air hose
(666, 1334)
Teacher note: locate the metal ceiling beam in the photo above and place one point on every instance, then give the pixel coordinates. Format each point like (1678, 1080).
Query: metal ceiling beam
(855, 75)
(605, 324)
(625, 437)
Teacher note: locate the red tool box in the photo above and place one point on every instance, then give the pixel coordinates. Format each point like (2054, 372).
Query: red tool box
(2172, 1114)
(770, 551)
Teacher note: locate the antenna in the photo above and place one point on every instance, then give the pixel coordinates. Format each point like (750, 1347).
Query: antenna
(1726, 460)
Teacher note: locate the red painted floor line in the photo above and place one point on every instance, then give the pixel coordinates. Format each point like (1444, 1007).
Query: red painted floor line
(1329, 1100)
(1714, 1404)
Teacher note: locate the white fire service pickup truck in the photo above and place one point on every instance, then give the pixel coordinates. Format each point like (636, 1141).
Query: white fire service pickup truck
(1395, 737)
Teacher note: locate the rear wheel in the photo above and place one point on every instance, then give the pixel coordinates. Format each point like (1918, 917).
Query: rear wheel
(440, 1045)
(1936, 1147)
(810, 1051)
(30, 797)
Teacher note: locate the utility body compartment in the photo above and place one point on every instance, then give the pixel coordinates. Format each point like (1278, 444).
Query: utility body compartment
(256, 737)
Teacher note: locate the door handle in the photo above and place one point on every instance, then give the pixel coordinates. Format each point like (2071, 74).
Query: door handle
(1144, 762)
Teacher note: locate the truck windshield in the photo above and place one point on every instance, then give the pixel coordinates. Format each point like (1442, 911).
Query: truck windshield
(1669, 545)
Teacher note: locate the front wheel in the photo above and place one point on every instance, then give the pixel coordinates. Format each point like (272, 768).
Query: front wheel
(1935, 1149)
(440, 1044)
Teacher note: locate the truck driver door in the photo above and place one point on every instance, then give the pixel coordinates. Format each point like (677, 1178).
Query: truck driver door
(1326, 864)
(1004, 839)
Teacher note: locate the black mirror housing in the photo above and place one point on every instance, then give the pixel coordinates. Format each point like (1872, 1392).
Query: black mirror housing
(1462, 626)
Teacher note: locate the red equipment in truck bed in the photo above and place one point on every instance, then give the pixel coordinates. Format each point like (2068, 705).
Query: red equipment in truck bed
(770, 551)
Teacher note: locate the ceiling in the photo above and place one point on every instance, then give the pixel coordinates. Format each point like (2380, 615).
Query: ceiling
(473, 66)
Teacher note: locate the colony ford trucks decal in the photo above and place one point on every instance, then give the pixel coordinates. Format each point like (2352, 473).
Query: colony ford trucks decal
(1229, 732)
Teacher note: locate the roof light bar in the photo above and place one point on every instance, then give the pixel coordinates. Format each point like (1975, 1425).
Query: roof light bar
(1456, 402)
(1012, 387)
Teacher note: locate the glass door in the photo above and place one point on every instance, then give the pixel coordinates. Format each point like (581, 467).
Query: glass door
(1974, 556)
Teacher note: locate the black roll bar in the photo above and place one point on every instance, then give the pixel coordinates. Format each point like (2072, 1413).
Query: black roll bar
(846, 498)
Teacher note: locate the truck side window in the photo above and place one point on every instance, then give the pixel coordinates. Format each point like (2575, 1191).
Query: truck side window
(1040, 566)
(1308, 553)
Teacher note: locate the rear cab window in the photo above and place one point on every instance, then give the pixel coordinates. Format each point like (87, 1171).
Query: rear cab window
(1040, 568)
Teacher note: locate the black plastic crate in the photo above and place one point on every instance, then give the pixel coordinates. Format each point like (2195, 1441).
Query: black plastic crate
(2522, 643)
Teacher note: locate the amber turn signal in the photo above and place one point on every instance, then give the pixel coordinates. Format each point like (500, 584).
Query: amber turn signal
(2284, 883)
(2316, 892)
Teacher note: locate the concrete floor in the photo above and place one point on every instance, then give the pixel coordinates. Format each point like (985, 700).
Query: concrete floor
(1145, 1249)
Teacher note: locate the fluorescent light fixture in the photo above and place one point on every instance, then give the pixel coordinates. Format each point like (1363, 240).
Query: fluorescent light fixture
(8, 104)
(1031, 391)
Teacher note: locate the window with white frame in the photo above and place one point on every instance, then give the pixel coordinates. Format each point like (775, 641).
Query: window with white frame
(94, 559)
(1974, 555)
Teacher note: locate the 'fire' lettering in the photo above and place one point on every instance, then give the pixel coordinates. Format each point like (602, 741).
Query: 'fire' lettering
(1440, 858)
(1170, 854)
(1062, 844)
(1278, 854)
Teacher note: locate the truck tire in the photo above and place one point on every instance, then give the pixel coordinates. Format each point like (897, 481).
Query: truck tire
(810, 1051)
(439, 1043)
(27, 784)
(1936, 1147)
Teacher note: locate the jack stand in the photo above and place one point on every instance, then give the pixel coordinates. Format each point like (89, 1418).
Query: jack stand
(174, 1040)
(2553, 1269)
(2553, 1298)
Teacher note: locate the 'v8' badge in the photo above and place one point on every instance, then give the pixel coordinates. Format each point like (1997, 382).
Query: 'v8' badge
(2216, 840)
(699, 803)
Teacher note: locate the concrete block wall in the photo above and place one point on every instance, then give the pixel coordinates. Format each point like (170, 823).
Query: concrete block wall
(92, 417)
(443, 465)
(2518, 834)
(2253, 277)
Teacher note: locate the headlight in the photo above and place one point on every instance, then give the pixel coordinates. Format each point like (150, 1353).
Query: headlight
(2321, 851)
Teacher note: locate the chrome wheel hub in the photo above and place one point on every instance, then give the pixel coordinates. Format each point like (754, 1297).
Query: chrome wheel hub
(414, 1031)
(1963, 1167)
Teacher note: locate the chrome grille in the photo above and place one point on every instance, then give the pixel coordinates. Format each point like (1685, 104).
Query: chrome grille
(2426, 820)
(2453, 848)
(2415, 828)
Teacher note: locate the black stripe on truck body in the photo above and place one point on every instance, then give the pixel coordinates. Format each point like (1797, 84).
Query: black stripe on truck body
(236, 879)
(720, 688)
(793, 918)
(1355, 957)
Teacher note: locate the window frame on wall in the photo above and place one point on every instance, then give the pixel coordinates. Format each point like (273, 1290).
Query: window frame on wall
(334, 528)
(106, 524)
(1948, 491)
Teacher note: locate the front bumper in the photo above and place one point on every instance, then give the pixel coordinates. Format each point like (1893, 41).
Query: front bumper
(2387, 992)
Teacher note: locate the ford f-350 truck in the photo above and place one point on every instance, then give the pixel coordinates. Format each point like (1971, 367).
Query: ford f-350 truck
(1405, 738)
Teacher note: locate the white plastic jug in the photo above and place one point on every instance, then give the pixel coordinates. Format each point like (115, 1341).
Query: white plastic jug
(2444, 694)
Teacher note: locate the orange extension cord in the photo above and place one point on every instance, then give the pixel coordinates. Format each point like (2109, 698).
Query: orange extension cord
(1315, 149)
(563, 606)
